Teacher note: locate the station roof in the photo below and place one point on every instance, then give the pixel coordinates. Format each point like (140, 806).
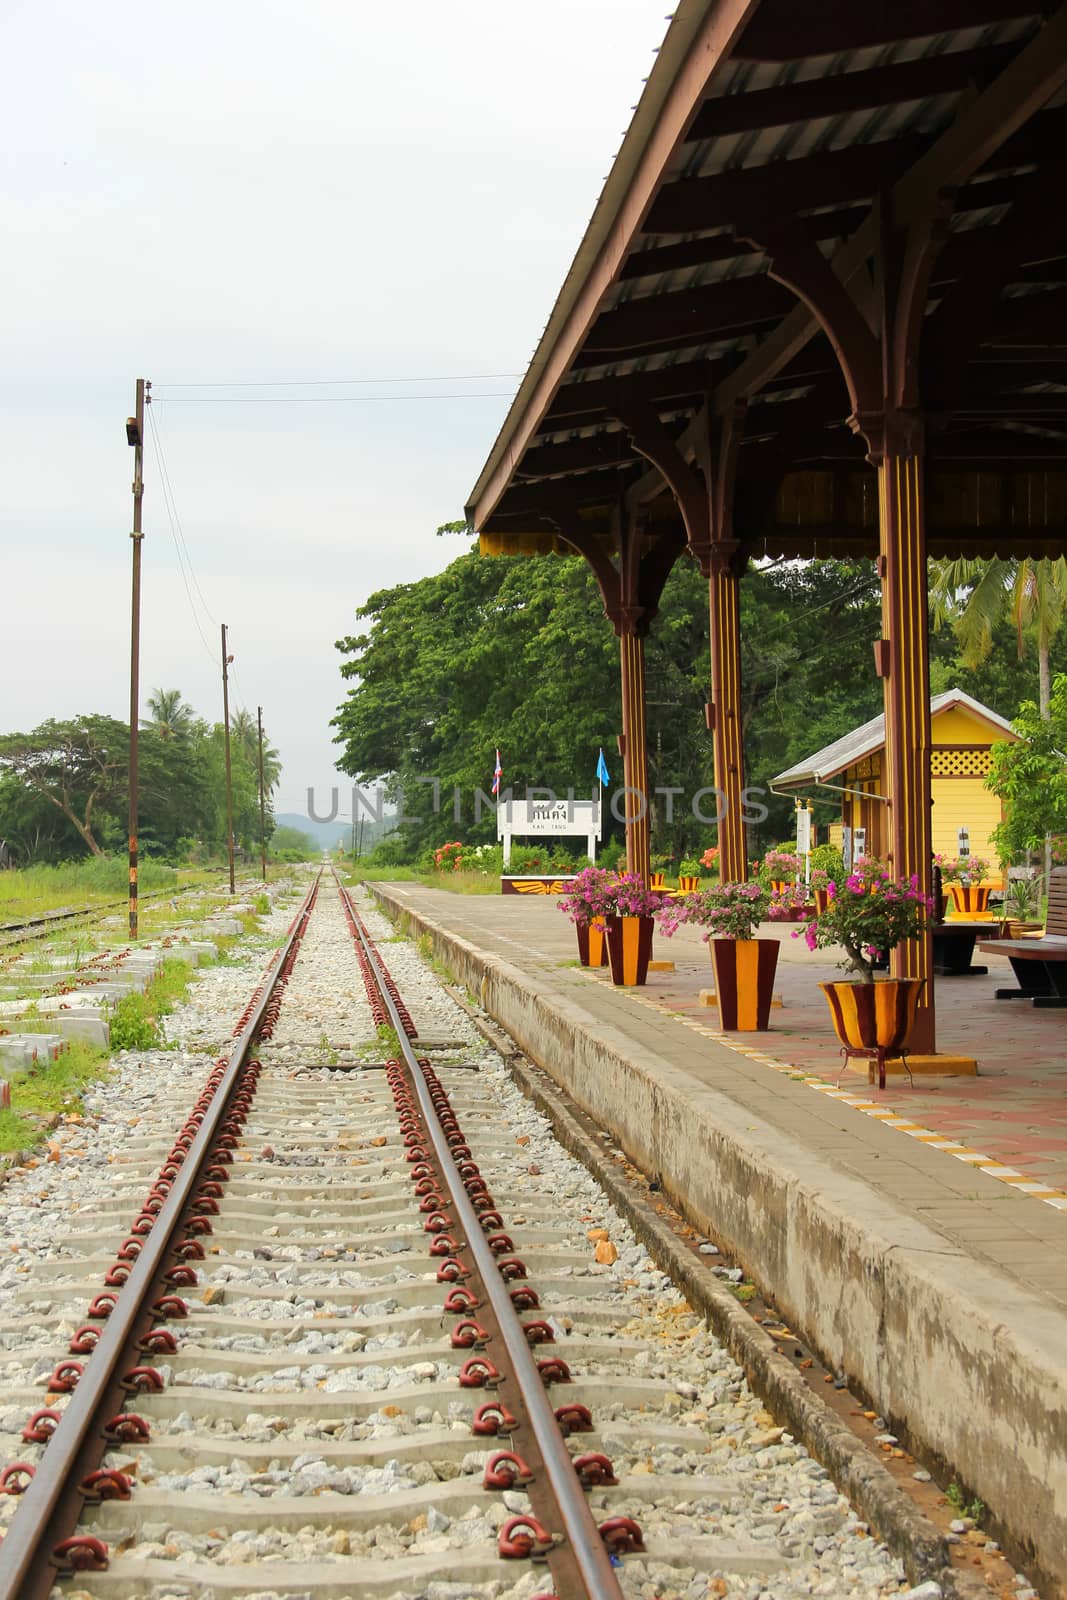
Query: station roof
(869, 738)
(799, 113)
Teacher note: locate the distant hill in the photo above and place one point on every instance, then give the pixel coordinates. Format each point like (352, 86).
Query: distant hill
(328, 835)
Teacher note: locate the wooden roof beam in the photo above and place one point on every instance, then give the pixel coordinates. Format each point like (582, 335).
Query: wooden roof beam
(781, 30)
(1035, 74)
(844, 92)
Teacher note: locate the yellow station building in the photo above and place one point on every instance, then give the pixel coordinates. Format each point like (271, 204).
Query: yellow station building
(963, 731)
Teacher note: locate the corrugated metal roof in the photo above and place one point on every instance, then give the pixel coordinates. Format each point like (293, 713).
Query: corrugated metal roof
(865, 740)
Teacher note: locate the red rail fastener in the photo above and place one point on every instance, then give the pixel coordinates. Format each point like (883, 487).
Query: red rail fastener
(143, 1380)
(107, 1483)
(83, 1340)
(504, 1469)
(130, 1249)
(524, 1537)
(554, 1370)
(127, 1428)
(443, 1245)
(574, 1418)
(459, 1300)
(64, 1379)
(467, 1335)
(499, 1243)
(181, 1277)
(621, 1534)
(538, 1333)
(15, 1478)
(594, 1469)
(83, 1553)
(492, 1418)
(102, 1305)
(478, 1373)
(117, 1274)
(158, 1341)
(41, 1426)
(451, 1271)
(512, 1267)
(170, 1305)
(437, 1222)
(524, 1298)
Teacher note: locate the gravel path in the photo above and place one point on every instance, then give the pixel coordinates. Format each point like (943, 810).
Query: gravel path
(311, 1438)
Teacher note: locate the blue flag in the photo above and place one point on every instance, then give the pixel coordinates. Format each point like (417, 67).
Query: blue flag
(602, 773)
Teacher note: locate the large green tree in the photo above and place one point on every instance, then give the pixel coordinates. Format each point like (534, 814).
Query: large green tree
(1031, 777)
(980, 598)
(77, 766)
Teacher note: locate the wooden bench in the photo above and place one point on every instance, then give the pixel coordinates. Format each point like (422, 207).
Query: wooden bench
(1040, 964)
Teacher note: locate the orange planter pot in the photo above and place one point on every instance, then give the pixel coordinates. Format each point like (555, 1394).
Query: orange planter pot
(656, 881)
(592, 946)
(687, 883)
(744, 982)
(969, 898)
(629, 949)
(874, 1020)
(822, 900)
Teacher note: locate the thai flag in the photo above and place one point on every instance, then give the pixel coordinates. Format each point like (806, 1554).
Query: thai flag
(498, 773)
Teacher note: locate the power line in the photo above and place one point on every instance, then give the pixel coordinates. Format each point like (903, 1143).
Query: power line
(158, 431)
(319, 399)
(307, 383)
(171, 516)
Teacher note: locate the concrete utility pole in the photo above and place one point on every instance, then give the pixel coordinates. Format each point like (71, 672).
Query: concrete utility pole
(262, 799)
(135, 437)
(229, 773)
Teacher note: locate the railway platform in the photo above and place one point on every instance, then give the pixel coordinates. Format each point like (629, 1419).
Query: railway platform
(915, 1238)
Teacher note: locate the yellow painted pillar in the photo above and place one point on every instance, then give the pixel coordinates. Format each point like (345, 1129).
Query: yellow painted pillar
(726, 732)
(906, 668)
(634, 751)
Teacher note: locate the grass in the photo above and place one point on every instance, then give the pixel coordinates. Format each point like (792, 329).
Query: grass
(956, 1497)
(31, 891)
(53, 1088)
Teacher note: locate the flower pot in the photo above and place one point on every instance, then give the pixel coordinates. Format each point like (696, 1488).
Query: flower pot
(592, 948)
(744, 982)
(874, 1019)
(656, 881)
(688, 882)
(629, 942)
(822, 900)
(969, 898)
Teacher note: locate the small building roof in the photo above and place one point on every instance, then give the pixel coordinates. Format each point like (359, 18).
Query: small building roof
(870, 737)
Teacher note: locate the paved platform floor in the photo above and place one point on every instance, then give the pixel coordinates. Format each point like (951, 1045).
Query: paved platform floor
(983, 1159)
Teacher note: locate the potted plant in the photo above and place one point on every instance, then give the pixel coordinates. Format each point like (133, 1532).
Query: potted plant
(710, 857)
(688, 874)
(780, 869)
(658, 865)
(963, 877)
(867, 916)
(586, 904)
(629, 918)
(744, 966)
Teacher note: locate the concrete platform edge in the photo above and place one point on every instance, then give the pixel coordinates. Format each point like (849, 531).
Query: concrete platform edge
(970, 1367)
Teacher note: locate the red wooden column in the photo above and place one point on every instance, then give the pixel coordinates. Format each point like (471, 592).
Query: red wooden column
(724, 714)
(904, 658)
(634, 747)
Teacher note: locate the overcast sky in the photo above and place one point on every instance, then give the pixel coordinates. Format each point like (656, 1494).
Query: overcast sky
(228, 193)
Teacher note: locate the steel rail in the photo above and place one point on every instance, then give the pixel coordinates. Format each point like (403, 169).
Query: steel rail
(54, 921)
(588, 1556)
(49, 1508)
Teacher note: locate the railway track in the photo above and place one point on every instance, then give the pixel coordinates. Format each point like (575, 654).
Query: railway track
(335, 1333)
(28, 929)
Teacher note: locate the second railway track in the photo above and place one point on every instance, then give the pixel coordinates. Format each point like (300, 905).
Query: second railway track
(384, 1359)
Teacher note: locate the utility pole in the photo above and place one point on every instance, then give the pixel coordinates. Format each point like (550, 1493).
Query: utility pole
(262, 801)
(135, 437)
(229, 774)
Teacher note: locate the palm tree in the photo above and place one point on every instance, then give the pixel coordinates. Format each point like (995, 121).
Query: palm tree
(976, 597)
(171, 717)
(244, 730)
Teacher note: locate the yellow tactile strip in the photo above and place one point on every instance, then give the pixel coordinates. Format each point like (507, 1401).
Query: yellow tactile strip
(974, 1158)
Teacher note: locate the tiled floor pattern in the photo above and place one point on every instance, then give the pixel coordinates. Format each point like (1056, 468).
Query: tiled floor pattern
(1014, 1112)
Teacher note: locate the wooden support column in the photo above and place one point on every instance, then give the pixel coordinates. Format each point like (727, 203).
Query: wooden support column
(704, 493)
(634, 746)
(725, 715)
(905, 616)
(875, 325)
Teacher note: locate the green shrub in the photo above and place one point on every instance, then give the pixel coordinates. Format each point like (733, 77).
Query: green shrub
(132, 1028)
(828, 858)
